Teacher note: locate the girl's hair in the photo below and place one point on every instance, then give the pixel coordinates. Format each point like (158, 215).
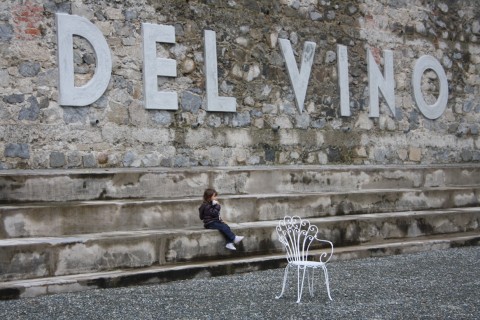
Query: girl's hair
(208, 194)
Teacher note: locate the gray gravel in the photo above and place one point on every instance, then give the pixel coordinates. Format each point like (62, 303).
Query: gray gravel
(429, 285)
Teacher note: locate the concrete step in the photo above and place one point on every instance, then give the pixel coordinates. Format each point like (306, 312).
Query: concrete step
(25, 258)
(163, 183)
(81, 217)
(161, 274)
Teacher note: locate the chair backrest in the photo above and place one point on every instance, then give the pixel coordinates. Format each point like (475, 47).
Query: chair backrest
(297, 235)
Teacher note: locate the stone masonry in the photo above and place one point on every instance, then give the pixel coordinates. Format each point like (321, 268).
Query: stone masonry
(267, 127)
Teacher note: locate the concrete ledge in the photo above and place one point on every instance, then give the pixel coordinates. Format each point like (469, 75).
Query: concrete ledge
(154, 275)
(129, 183)
(72, 218)
(137, 224)
(25, 258)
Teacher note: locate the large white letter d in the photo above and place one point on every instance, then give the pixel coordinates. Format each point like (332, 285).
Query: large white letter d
(69, 95)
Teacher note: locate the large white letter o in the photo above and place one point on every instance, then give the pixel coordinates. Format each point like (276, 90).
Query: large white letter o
(435, 110)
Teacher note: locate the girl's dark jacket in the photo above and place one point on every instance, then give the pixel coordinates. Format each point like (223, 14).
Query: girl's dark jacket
(209, 212)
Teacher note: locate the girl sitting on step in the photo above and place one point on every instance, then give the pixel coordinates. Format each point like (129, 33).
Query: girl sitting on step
(209, 212)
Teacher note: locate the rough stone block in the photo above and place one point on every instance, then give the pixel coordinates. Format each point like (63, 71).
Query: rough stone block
(415, 154)
(20, 150)
(14, 98)
(57, 159)
(29, 69)
(89, 161)
(30, 113)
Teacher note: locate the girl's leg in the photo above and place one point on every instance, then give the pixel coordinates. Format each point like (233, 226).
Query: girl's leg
(224, 229)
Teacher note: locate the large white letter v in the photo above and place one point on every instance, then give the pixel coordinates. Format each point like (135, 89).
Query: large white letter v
(300, 79)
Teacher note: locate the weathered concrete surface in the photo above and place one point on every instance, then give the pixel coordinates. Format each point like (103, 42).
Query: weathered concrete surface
(58, 219)
(57, 256)
(161, 274)
(352, 205)
(100, 184)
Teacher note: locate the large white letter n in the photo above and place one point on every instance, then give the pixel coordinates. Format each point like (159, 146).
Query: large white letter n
(69, 95)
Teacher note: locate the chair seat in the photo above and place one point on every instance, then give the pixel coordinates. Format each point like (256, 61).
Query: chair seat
(308, 264)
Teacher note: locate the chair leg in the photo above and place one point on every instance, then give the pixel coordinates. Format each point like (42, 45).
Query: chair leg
(311, 281)
(325, 272)
(285, 276)
(300, 287)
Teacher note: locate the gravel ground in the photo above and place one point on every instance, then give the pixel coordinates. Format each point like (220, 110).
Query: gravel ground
(441, 284)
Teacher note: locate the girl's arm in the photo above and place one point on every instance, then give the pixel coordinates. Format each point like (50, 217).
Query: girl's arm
(214, 209)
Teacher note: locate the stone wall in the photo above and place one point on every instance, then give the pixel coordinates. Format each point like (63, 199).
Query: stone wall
(267, 127)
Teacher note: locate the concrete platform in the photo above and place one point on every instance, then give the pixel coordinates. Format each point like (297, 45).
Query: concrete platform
(164, 183)
(162, 274)
(70, 224)
(24, 258)
(81, 217)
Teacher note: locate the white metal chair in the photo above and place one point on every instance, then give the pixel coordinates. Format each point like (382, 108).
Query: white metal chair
(298, 236)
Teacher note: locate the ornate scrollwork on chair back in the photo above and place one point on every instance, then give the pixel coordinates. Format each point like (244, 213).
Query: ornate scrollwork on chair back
(297, 235)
